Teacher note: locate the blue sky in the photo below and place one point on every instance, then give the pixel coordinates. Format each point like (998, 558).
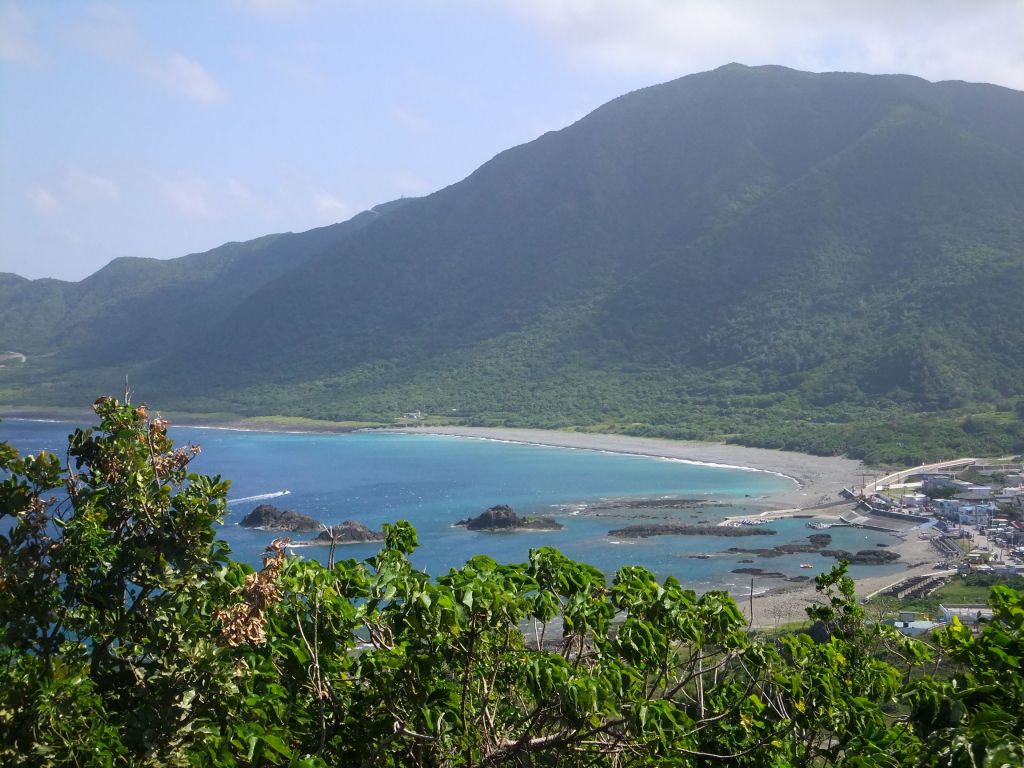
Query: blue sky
(156, 128)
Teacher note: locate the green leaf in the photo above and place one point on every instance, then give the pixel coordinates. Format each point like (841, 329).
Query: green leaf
(275, 743)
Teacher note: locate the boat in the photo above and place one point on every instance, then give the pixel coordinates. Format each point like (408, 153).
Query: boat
(806, 565)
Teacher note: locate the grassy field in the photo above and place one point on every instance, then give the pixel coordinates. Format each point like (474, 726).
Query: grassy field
(974, 588)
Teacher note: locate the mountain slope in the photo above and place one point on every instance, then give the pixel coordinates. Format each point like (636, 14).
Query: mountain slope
(731, 253)
(138, 304)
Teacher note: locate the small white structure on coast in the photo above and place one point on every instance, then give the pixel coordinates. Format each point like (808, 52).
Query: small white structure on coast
(967, 613)
(914, 628)
(977, 514)
(908, 624)
(975, 493)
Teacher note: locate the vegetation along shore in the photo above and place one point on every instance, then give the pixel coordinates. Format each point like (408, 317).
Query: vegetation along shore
(179, 655)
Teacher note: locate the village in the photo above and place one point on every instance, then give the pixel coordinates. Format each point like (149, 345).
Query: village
(971, 510)
(952, 500)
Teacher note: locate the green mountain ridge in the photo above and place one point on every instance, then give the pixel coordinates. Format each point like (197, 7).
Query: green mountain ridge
(777, 257)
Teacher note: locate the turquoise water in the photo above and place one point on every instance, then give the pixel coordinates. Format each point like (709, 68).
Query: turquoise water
(434, 481)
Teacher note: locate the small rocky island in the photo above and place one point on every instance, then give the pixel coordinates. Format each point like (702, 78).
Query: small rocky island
(267, 517)
(502, 518)
(348, 532)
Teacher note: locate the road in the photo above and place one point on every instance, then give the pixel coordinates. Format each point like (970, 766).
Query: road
(903, 474)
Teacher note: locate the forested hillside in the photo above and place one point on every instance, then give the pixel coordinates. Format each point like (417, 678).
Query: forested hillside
(827, 262)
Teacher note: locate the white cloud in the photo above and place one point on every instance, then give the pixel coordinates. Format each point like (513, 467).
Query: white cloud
(43, 201)
(240, 197)
(228, 201)
(188, 194)
(240, 192)
(112, 34)
(332, 209)
(936, 39)
(17, 42)
(88, 187)
(188, 78)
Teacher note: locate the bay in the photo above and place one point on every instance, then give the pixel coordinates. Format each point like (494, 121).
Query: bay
(434, 481)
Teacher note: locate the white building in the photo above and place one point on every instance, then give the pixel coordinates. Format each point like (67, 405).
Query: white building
(941, 482)
(967, 613)
(948, 508)
(975, 493)
(977, 514)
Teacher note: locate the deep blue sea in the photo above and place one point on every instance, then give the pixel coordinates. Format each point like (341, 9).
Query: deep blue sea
(434, 481)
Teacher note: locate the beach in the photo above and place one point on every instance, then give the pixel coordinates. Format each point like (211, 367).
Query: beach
(817, 481)
(785, 605)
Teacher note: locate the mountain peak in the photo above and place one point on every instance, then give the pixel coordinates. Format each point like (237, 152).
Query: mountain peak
(745, 247)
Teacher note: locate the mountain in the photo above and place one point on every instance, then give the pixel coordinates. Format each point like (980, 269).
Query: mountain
(815, 261)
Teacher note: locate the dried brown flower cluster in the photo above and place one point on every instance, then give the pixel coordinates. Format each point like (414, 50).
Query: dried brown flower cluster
(167, 463)
(245, 622)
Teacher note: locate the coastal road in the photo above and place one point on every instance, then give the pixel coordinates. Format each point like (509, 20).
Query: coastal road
(903, 474)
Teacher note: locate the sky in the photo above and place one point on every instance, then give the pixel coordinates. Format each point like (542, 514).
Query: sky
(157, 129)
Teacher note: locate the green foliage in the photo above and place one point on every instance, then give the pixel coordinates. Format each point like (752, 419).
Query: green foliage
(127, 637)
(107, 595)
(977, 717)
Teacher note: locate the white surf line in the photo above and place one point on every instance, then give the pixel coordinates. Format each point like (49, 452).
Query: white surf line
(612, 452)
(38, 421)
(220, 428)
(259, 497)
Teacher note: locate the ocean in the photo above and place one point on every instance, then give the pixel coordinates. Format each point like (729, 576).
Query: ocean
(435, 481)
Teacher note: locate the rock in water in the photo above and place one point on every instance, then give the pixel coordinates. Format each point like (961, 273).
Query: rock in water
(270, 518)
(862, 557)
(678, 529)
(349, 532)
(503, 518)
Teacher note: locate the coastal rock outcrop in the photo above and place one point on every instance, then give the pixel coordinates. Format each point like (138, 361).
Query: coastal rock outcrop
(348, 532)
(862, 557)
(503, 518)
(815, 543)
(267, 517)
(672, 503)
(760, 572)
(677, 529)
(818, 542)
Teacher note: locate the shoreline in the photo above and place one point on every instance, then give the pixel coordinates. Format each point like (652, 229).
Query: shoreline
(816, 482)
(816, 479)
